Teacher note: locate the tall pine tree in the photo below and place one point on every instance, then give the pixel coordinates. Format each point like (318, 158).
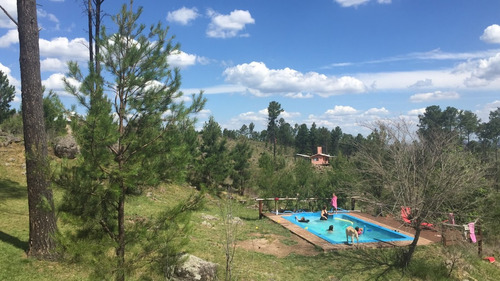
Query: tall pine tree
(132, 116)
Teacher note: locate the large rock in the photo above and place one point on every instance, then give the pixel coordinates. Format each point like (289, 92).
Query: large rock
(6, 139)
(195, 268)
(66, 147)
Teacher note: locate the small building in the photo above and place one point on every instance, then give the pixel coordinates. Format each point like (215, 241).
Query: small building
(319, 158)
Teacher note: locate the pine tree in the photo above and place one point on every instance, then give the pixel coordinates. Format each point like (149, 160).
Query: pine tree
(214, 165)
(7, 93)
(240, 156)
(131, 124)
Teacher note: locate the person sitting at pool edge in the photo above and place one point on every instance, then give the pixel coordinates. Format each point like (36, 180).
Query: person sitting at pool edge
(359, 230)
(302, 219)
(330, 229)
(324, 214)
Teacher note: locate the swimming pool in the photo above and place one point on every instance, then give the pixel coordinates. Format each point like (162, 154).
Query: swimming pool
(371, 232)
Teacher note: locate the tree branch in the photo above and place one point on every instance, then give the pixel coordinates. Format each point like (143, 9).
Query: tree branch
(11, 18)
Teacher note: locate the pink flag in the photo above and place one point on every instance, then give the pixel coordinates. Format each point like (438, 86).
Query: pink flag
(472, 233)
(334, 202)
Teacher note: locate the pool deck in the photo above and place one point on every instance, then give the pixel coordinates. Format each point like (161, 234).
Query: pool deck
(426, 237)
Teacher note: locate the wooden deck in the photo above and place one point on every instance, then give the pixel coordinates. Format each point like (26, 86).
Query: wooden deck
(426, 237)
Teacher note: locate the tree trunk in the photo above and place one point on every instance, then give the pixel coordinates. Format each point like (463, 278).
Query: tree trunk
(42, 220)
(411, 249)
(120, 251)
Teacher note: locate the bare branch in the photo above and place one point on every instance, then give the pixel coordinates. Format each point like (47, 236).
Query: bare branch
(10, 17)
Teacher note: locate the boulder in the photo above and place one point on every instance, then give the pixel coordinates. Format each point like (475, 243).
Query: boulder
(195, 268)
(66, 147)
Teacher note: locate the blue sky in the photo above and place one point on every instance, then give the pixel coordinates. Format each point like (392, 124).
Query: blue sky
(333, 62)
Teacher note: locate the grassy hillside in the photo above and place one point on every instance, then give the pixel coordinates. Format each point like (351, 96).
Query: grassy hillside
(265, 251)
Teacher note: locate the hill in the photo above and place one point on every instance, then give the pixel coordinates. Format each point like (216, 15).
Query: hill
(264, 251)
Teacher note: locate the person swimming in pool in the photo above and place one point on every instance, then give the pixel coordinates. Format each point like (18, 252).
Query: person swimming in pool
(330, 229)
(359, 230)
(324, 214)
(302, 219)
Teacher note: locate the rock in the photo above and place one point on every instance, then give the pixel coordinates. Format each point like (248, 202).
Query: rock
(209, 217)
(206, 224)
(66, 147)
(195, 268)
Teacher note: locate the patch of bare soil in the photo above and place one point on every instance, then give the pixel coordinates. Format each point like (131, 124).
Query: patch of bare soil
(279, 246)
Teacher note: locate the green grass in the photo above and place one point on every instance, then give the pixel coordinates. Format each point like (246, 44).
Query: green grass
(208, 243)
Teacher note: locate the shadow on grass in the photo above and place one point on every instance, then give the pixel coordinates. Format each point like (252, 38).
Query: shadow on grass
(380, 264)
(11, 190)
(14, 241)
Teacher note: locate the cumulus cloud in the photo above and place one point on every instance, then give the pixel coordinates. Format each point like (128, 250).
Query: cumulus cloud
(53, 64)
(416, 112)
(181, 59)
(341, 110)
(183, 16)
(377, 111)
(262, 81)
(12, 81)
(482, 71)
(227, 26)
(434, 96)
(11, 37)
(491, 34)
(55, 82)
(64, 49)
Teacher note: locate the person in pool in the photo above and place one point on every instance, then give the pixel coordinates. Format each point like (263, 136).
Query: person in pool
(330, 229)
(302, 219)
(359, 230)
(324, 214)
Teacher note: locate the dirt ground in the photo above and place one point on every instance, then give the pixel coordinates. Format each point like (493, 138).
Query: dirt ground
(279, 246)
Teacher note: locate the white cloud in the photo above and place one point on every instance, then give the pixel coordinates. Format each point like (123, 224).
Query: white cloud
(434, 96)
(422, 84)
(183, 15)
(227, 26)
(181, 59)
(10, 38)
(355, 3)
(377, 111)
(55, 82)
(341, 110)
(53, 64)
(350, 3)
(12, 81)
(262, 81)
(484, 112)
(416, 112)
(483, 71)
(491, 34)
(11, 7)
(64, 49)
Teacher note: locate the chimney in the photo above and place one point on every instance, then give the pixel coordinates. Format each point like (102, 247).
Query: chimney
(319, 150)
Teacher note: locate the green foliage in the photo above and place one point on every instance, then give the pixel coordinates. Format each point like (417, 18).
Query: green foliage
(7, 93)
(128, 140)
(214, 166)
(240, 156)
(13, 125)
(53, 109)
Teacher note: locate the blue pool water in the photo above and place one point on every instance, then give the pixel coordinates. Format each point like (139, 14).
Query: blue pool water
(371, 233)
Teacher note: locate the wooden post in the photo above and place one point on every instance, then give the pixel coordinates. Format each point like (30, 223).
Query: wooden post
(260, 209)
(443, 235)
